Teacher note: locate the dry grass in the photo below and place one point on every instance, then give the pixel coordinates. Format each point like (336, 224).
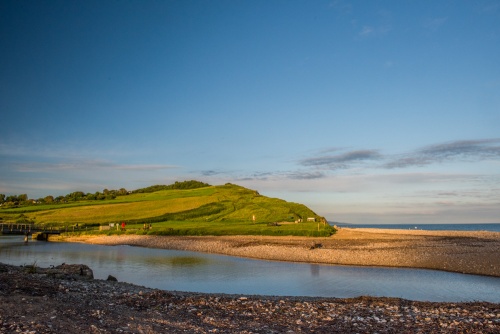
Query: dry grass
(121, 211)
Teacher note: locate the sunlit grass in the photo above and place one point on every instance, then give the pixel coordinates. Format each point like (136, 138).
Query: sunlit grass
(189, 228)
(117, 212)
(214, 210)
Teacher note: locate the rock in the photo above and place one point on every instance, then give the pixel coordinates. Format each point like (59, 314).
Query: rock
(77, 271)
(111, 278)
(68, 271)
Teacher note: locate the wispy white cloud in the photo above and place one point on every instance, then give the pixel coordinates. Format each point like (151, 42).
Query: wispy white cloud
(211, 172)
(461, 150)
(440, 214)
(367, 31)
(492, 7)
(454, 151)
(341, 6)
(342, 160)
(380, 26)
(484, 148)
(39, 178)
(349, 180)
(434, 23)
(372, 31)
(306, 175)
(41, 186)
(388, 64)
(84, 165)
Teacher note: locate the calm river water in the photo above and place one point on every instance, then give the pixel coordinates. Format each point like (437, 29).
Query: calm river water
(198, 272)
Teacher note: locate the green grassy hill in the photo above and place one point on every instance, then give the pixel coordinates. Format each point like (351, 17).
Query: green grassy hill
(211, 210)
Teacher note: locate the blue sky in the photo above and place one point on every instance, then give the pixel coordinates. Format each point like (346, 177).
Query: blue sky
(365, 111)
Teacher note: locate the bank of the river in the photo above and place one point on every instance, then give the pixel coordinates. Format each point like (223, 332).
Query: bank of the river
(46, 301)
(456, 251)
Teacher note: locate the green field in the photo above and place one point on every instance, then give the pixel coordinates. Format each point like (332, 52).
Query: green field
(213, 210)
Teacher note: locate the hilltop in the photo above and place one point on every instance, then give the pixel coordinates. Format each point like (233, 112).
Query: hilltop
(183, 208)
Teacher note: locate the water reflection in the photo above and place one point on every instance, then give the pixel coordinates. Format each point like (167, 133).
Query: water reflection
(315, 270)
(198, 272)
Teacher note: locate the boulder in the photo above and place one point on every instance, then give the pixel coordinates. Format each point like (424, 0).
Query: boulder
(74, 271)
(111, 278)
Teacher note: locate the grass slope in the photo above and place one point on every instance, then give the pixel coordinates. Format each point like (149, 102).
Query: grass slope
(212, 210)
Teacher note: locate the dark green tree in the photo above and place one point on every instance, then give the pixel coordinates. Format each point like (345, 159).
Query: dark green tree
(122, 192)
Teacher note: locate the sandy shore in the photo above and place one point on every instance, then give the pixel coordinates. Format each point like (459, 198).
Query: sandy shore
(456, 251)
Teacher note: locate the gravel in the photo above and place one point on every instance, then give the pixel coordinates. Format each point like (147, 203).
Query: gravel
(67, 299)
(456, 251)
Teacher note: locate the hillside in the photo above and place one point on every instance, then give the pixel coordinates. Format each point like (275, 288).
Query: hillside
(225, 209)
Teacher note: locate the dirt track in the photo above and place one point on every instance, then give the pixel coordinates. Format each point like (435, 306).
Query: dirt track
(464, 252)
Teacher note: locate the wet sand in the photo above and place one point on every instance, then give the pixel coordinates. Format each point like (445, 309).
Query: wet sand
(455, 251)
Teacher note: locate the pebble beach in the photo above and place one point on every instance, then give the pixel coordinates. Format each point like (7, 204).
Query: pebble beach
(455, 251)
(48, 301)
(45, 301)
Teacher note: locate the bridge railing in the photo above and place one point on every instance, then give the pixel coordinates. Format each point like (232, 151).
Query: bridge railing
(26, 228)
(14, 227)
(18, 228)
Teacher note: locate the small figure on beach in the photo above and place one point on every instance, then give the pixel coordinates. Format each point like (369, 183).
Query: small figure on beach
(123, 226)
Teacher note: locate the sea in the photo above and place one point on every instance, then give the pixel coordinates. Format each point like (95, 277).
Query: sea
(493, 227)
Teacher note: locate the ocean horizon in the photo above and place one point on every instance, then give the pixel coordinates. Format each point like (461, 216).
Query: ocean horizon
(491, 227)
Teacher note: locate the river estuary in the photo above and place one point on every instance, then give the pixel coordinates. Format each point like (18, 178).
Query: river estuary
(199, 272)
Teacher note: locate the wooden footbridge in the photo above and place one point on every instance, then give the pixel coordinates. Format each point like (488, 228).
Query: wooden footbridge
(36, 232)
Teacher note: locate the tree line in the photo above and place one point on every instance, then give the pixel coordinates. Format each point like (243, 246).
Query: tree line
(16, 200)
(192, 184)
(106, 194)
